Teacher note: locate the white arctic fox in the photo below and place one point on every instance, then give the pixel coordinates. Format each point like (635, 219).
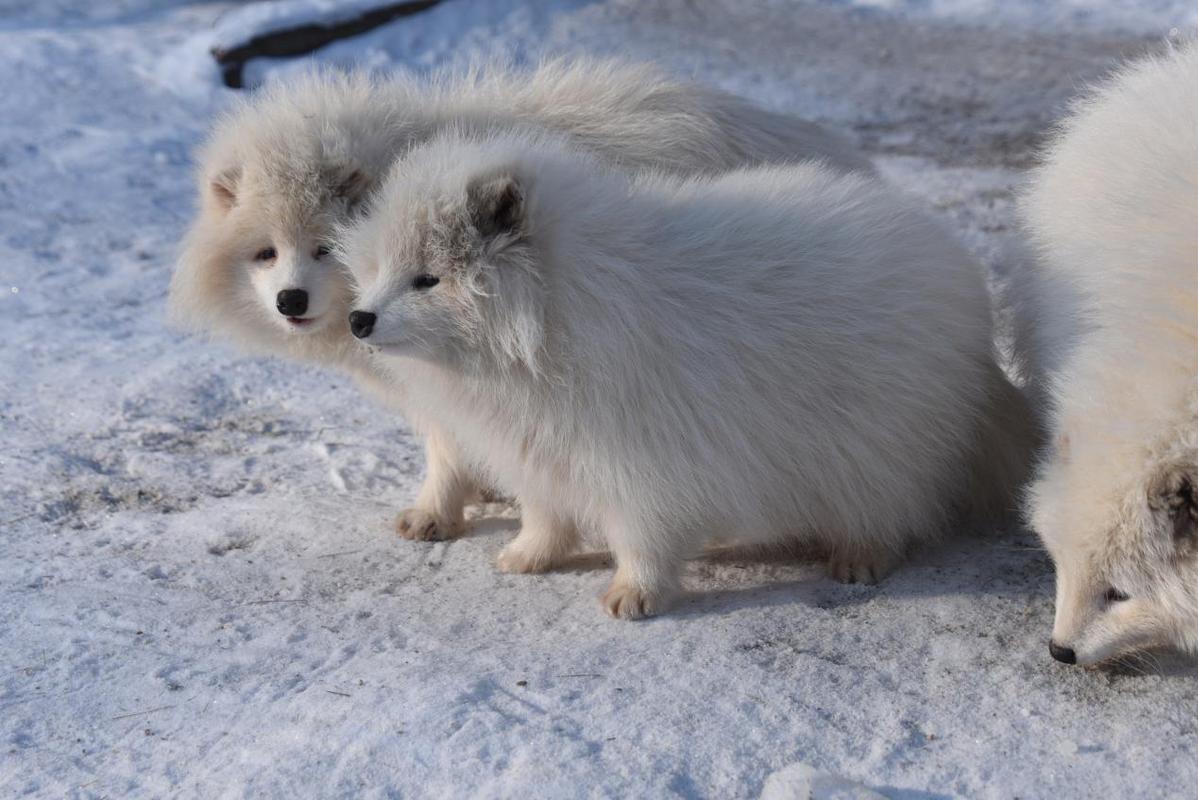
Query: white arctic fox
(1113, 212)
(286, 166)
(778, 352)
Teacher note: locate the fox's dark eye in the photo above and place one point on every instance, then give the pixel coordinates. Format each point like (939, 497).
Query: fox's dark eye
(265, 254)
(321, 252)
(425, 281)
(1113, 595)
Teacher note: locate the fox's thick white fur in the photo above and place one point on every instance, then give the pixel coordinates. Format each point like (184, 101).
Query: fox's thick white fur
(778, 352)
(1113, 213)
(287, 165)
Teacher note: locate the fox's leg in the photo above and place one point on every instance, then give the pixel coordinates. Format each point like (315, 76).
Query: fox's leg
(546, 537)
(648, 568)
(448, 485)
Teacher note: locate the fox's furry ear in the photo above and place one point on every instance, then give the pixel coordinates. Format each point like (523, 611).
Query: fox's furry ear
(495, 203)
(1176, 493)
(223, 188)
(352, 184)
(497, 209)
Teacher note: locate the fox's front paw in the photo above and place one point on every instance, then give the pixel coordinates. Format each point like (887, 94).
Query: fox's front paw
(518, 560)
(857, 566)
(422, 526)
(625, 601)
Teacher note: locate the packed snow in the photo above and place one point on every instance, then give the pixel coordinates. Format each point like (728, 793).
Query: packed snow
(202, 592)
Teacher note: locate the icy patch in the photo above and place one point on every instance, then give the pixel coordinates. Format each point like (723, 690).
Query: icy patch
(804, 782)
(1127, 15)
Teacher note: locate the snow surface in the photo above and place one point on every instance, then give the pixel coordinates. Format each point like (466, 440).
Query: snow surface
(202, 595)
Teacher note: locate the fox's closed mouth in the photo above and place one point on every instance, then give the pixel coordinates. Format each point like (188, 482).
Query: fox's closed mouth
(300, 321)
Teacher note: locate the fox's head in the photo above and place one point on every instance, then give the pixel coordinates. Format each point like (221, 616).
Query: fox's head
(1122, 528)
(446, 264)
(279, 174)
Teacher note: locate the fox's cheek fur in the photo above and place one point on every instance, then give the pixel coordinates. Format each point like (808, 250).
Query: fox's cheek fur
(1101, 618)
(1120, 631)
(419, 322)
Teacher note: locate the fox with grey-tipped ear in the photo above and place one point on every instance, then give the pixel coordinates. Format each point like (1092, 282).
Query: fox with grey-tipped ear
(284, 167)
(1110, 305)
(778, 353)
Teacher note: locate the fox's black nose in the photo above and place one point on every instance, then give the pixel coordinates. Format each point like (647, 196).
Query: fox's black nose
(1063, 654)
(361, 323)
(292, 302)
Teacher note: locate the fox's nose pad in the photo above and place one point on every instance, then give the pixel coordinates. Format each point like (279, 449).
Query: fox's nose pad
(1063, 654)
(361, 323)
(292, 302)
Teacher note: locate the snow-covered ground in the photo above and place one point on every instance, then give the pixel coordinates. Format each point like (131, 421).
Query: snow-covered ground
(201, 593)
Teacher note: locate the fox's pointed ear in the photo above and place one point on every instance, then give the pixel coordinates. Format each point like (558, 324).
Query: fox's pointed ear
(497, 208)
(1176, 493)
(223, 188)
(352, 184)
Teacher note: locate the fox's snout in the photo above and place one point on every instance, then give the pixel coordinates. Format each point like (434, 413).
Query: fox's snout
(361, 323)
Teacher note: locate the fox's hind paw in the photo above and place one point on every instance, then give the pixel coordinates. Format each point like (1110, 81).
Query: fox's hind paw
(862, 566)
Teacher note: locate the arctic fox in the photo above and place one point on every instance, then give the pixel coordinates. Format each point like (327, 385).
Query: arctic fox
(1112, 212)
(286, 166)
(778, 352)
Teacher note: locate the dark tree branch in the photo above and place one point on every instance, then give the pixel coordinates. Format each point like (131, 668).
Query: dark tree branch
(306, 38)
